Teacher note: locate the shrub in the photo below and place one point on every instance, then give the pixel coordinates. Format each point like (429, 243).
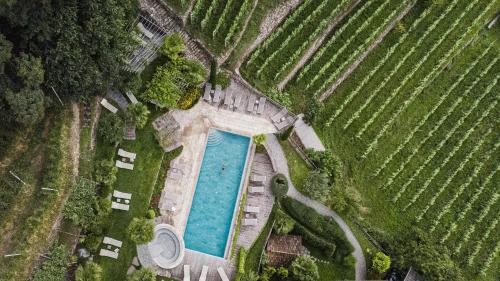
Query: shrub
(140, 114)
(189, 99)
(313, 110)
(283, 224)
(92, 242)
(90, 272)
(316, 186)
(54, 268)
(282, 273)
(242, 255)
(80, 206)
(172, 46)
(105, 173)
(381, 262)
(163, 89)
(259, 139)
(111, 128)
(141, 231)
(279, 185)
(326, 247)
(267, 273)
(250, 276)
(286, 134)
(282, 98)
(151, 214)
(143, 274)
(327, 161)
(304, 268)
(223, 79)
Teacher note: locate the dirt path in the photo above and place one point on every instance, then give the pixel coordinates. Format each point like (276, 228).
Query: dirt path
(317, 44)
(363, 56)
(93, 126)
(268, 25)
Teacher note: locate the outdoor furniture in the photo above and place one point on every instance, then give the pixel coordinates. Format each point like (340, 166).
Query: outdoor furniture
(277, 117)
(257, 178)
(127, 154)
(203, 275)
(108, 253)
(252, 209)
(222, 274)
(251, 103)
(237, 102)
(187, 273)
(175, 175)
(262, 105)
(217, 95)
(108, 106)
(123, 195)
(131, 97)
(256, 189)
(249, 222)
(144, 31)
(228, 100)
(208, 89)
(113, 242)
(120, 206)
(124, 165)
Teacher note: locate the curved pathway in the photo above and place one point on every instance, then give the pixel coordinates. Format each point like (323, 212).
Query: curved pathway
(279, 162)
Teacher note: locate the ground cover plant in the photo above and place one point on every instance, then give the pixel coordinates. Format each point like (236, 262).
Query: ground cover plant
(415, 126)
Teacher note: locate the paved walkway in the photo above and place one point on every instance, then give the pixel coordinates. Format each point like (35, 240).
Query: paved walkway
(279, 162)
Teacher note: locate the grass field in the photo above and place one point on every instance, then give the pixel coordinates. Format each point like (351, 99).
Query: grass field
(298, 167)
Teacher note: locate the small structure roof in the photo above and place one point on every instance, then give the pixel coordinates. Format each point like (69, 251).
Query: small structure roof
(307, 135)
(168, 131)
(283, 249)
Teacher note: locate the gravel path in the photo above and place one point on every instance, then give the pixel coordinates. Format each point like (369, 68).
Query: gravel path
(279, 162)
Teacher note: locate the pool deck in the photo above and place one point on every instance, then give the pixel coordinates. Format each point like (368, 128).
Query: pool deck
(194, 125)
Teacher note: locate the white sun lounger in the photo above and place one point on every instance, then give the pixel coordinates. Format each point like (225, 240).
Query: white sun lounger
(262, 105)
(203, 275)
(251, 103)
(108, 106)
(208, 90)
(237, 102)
(127, 154)
(222, 274)
(256, 189)
(111, 241)
(123, 195)
(124, 165)
(187, 276)
(131, 97)
(252, 209)
(258, 178)
(119, 206)
(217, 94)
(228, 100)
(108, 253)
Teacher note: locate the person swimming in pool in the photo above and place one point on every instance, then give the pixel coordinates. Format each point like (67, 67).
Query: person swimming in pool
(223, 168)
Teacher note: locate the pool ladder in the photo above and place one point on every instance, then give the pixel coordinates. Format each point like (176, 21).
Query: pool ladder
(214, 138)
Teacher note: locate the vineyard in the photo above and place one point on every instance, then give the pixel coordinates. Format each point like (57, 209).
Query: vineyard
(417, 122)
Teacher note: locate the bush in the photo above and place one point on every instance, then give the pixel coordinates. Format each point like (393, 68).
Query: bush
(316, 186)
(242, 255)
(80, 206)
(326, 161)
(250, 276)
(326, 247)
(105, 173)
(223, 79)
(143, 274)
(140, 114)
(313, 109)
(111, 128)
(141, 231)
(279, 185)
(381, 262)
(189, 99)
(259, 139)
(172, 46)
(304, 268)
(54, 268)
(90, 272)
(92, 242)
(283, 224)
(282, 98)
(286, 134)
(151, 214)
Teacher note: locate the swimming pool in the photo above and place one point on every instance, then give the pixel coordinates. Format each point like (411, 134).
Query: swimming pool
(217, 190)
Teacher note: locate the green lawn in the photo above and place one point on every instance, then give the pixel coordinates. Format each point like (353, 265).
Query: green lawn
(140, 182)
(297, 166)
(331, 270)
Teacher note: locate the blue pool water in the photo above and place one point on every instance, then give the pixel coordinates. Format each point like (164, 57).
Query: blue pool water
(214, 200)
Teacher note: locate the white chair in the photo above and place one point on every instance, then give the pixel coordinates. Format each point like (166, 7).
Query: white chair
(249, 222)
(187, 276)
(256, 189)
(108, 253)
(123, 195)
(204, 272)
(252, 209)
(113, 242)
(258, 178)
(119, 206)
(222, 274)
(124, 165)
(131, 96)
(127, 154)
(108, 106)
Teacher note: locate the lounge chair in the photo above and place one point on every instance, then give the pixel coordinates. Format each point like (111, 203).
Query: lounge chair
(203, 275)
(108, 106)
(187, 276)
(237, 102)
(127, 154)
(258, 178)
(249, 222)
(113, 242)
(123, 195)
(108, 253)
(119, 206)
(252, 209)
(262, 105)
(228, 100)
(251, 103)
(256, 189)
(131, 97)
(222, 274)
(124, 165)
(217, 94)
(208, 89)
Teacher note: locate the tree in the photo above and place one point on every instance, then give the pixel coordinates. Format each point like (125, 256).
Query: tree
(279, 185)
(381, 262)
(80, 206)
(283, 224)
(54, 268)
(162, 89)
(111, 128)
(105, 172)
(5, 51)
(140, 114)
(30, 70)
(260, 139)
(141, 230)
(250, 276)
(27, 105)
(304, 268)
(316, 186)
(90, 272)
(172, 46)
(143, 274)
(192, 72)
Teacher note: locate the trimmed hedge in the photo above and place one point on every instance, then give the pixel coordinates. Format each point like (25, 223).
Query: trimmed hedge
(242, 255)
(329, 249)
(279, 185)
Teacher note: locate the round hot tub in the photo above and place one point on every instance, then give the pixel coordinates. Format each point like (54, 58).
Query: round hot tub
(167, 248)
